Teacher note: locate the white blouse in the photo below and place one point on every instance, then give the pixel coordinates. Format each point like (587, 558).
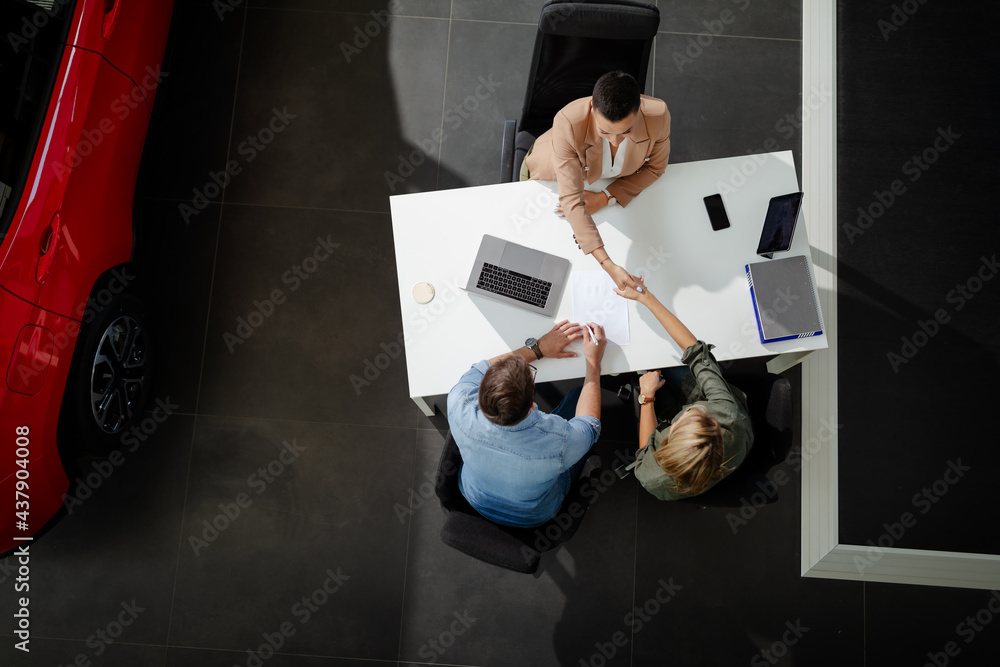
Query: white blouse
(613, 168)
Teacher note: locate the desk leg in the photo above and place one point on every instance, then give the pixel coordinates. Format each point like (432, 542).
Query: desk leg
(428, 410)
(783, 362)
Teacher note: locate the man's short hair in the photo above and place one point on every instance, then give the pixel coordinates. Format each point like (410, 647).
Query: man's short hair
(507, 391)
(616, 95)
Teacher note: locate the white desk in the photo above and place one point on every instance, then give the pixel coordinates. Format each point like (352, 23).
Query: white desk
(664, 234)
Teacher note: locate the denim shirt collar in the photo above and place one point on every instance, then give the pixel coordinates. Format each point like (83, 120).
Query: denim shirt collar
(534, 415)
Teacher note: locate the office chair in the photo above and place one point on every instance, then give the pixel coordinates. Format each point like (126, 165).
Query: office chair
(576, 43)
(517, 549)
(769, 400)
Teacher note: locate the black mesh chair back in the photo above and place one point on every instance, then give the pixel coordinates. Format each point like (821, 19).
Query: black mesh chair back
(770, 401)
(577, 42)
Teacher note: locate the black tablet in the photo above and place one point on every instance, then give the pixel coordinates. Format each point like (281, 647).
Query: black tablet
(779, 224)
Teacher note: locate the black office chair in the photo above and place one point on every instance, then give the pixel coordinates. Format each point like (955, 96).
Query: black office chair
(517, 549)
(769, 401)
(576, 43)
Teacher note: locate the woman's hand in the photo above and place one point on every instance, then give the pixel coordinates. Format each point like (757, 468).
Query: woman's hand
(650, 382)
(630, 291)
(623, 279)
(594, 201)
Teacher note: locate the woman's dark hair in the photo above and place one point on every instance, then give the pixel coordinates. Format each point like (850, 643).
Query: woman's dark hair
(616, 95)
(507, 390)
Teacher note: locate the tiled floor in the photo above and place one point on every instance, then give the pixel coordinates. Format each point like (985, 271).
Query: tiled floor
(264, 522)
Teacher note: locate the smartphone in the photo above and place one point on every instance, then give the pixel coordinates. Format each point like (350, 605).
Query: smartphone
(716, 212)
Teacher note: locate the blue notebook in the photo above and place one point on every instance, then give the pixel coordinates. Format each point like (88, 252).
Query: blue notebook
(784, 299)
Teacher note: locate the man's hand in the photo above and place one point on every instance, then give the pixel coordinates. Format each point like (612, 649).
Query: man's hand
(594, 352)
(553, 344)
(629, 291)
(623, 279)
(650, 382)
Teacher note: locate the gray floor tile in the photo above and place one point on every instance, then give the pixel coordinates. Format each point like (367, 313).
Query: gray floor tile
(956, 626)
(912, 73)
(932, 266)
(189, 134)
(174, 261)
(738, 96)
(394, 8)
(185, 657)
(513, 11)
(108, 565)
(482, 93)
(330, 350)
(781, 20)
(737, 566)
(582, 588)
(316, 126)
(895, 490)
(293, 525)
(66, 652)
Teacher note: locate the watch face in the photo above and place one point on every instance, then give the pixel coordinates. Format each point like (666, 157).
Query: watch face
(530, 342)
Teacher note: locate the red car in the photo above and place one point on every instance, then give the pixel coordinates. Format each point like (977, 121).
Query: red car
(77, 80)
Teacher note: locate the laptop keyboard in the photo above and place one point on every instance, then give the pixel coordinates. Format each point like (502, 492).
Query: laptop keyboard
(518, 286)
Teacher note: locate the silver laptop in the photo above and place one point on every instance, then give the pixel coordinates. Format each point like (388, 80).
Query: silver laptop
(523, 277)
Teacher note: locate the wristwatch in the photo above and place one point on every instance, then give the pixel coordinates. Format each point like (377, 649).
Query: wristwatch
(611, 199)
(533, 344)
(643, 399)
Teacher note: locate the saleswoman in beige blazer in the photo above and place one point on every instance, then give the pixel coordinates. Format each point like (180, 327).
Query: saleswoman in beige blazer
(616, 133)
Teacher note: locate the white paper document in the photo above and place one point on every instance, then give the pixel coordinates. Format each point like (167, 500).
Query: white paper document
(595, 301)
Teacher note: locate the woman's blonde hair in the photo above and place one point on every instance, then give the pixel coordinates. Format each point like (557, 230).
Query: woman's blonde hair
(692, 452)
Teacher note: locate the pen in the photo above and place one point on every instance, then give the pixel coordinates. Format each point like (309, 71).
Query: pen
(592, 336)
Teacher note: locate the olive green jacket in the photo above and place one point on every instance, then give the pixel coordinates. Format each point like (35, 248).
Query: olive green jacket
(727, 404)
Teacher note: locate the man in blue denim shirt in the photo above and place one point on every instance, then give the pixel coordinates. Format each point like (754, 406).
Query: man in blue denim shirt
(519, 462)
